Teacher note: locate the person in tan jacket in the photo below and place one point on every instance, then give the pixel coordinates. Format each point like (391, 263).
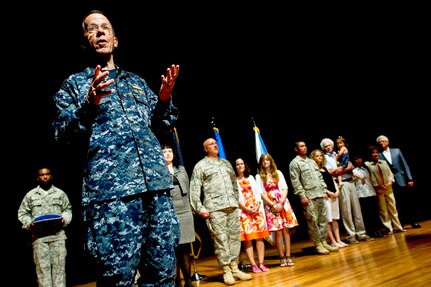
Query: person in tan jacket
(382, 179)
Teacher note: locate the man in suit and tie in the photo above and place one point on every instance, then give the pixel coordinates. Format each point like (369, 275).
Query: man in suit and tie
(403, 187)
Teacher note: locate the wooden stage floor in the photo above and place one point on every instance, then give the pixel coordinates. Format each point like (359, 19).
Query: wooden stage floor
(401, 259)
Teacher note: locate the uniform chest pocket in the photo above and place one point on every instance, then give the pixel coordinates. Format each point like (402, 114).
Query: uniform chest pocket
(37, 203)
(210, 173)
(144, 101)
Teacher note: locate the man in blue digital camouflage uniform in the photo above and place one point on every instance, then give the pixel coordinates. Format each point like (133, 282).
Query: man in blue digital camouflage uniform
(132, 224)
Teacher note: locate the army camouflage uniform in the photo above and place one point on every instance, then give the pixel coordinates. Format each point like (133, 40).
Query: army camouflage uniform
(217, 180)
(49, 250)
(307, 181)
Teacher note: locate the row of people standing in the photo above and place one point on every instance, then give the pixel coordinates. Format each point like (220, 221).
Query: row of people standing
(217, 191)
(239, 207)
(360, 190)
(264, 209)
(370, 198)
(319, 199)
(264, 206)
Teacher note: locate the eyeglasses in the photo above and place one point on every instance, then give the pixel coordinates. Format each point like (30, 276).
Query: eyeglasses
(93, 28)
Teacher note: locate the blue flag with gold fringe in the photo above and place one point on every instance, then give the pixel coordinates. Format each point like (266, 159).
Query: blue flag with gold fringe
(221, 152)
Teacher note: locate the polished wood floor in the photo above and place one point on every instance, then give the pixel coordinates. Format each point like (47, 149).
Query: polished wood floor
(401, 259)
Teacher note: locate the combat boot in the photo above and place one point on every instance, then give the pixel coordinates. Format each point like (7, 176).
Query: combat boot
(320, 249)
(238, 274)
(227, 276)
(329, 247)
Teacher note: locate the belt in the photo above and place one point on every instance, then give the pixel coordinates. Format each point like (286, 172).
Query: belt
(347, 179)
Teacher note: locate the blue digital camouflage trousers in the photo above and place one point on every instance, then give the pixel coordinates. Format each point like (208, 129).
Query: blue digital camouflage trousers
(134, 233)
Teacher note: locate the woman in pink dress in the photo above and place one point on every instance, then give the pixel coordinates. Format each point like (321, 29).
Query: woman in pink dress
(279, 214)
(252, 216)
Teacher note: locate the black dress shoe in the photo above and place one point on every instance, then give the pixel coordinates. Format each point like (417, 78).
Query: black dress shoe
(416, 225)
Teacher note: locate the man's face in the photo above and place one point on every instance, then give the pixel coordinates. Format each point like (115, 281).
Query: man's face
(211, 147)
(44, 177)
(100, 34)
(301, 149)
(384, 144)
(328, 147)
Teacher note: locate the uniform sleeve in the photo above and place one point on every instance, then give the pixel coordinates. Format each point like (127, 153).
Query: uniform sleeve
(234, 181)
(195, 190)
(24, 213)
(295, 177)
(74, 114)
(67, 209)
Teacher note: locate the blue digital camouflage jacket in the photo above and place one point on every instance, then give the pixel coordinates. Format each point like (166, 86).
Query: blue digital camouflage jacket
(124, 156)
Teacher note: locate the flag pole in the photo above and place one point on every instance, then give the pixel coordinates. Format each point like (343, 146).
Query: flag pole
(261, 149)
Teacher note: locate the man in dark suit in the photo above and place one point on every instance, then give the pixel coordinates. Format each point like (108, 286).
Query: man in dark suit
(403, 186)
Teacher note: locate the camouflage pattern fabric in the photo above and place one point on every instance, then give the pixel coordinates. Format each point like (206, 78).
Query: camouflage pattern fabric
(136, 233)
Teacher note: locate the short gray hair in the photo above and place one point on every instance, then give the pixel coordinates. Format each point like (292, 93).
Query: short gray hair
(382, 138)
(326, 141)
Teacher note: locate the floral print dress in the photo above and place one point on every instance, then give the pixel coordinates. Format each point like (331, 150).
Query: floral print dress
(287, 217)
(252, 225)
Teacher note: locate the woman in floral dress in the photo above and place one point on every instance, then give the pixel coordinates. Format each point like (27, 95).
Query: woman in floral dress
(252, 216)
(280, 216)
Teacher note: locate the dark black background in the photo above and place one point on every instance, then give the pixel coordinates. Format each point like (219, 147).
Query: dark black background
(298, 72)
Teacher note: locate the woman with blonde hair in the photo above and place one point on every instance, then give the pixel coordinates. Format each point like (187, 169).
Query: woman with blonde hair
(332, 204)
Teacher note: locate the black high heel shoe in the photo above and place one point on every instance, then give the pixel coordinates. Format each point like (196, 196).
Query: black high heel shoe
(416, 225)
